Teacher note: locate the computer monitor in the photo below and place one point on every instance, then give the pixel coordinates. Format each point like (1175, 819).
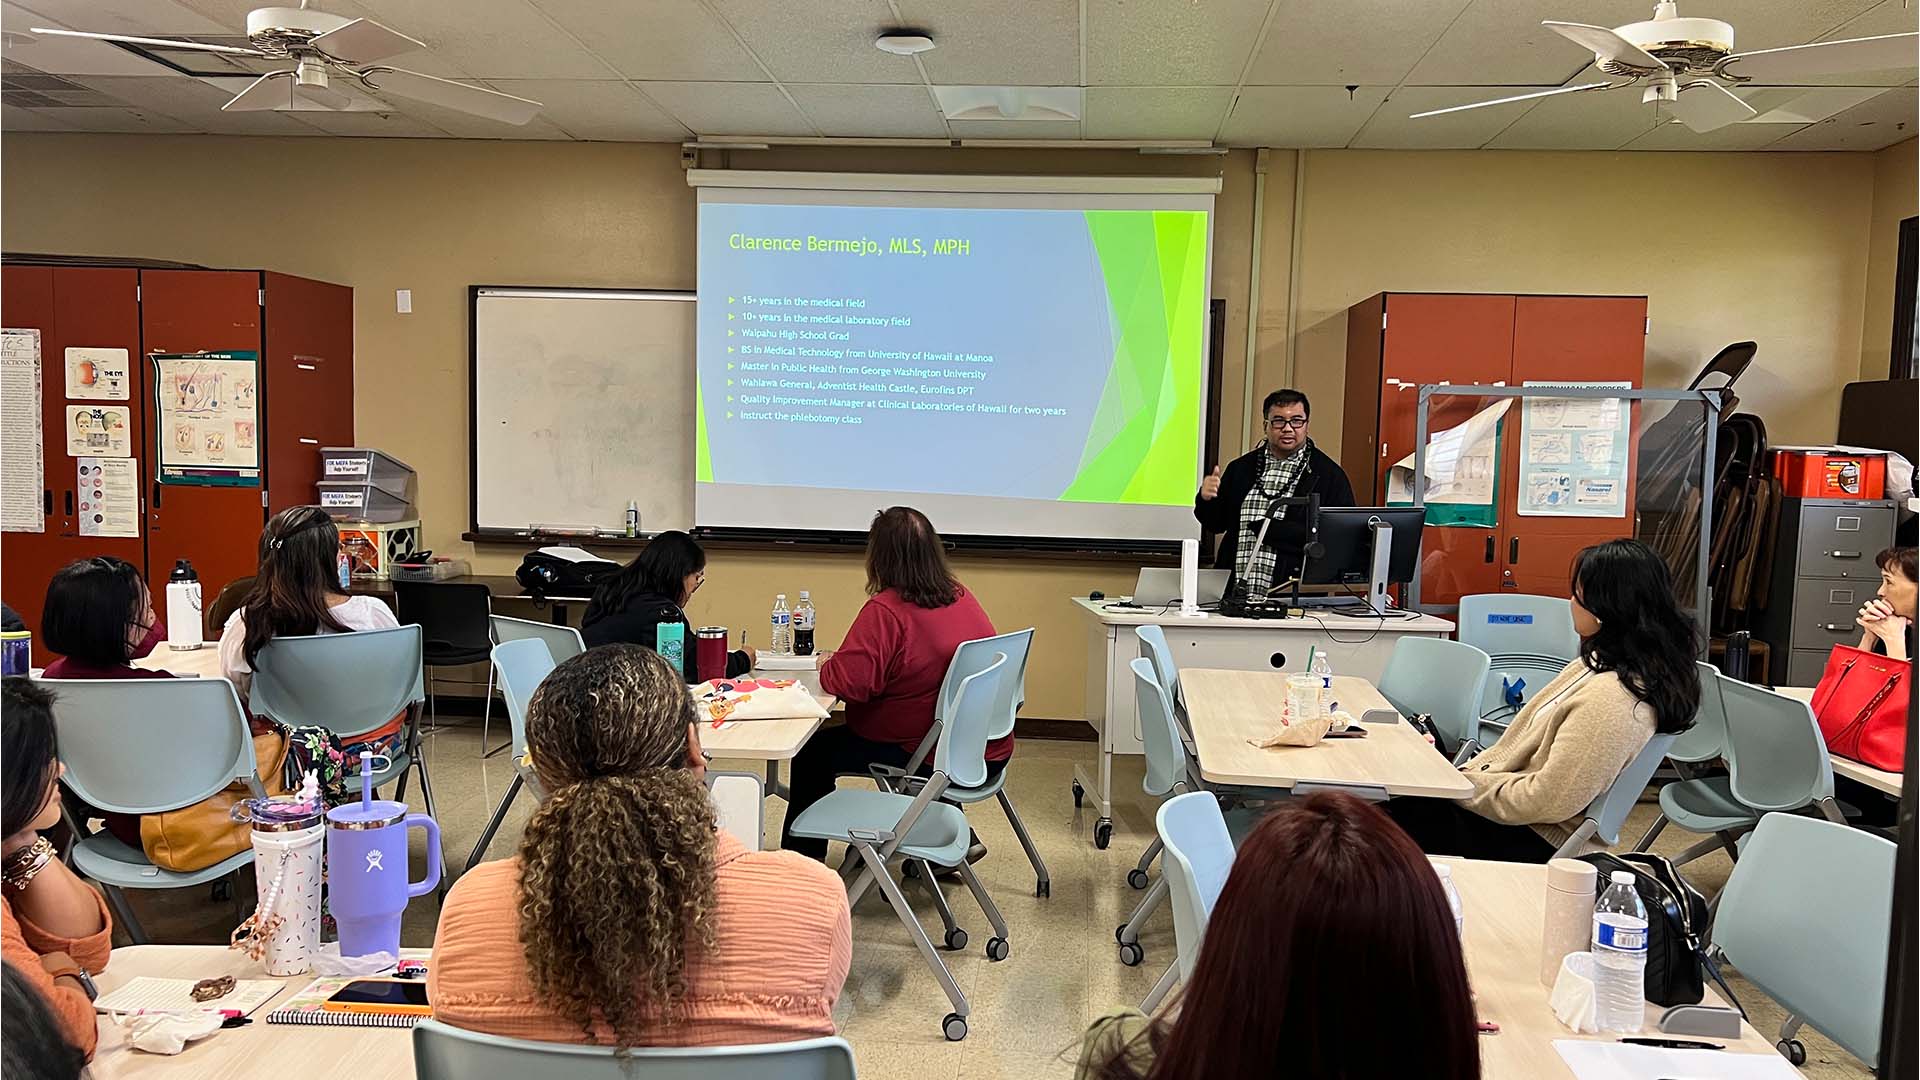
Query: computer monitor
(1347, 555)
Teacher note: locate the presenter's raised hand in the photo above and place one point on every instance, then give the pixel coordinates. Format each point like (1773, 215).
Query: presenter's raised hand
(1210, 486)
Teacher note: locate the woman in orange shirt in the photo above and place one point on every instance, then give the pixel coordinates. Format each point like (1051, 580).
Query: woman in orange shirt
(629, 918)
(54, 930)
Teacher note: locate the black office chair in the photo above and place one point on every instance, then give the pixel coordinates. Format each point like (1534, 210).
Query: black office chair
(457, 622)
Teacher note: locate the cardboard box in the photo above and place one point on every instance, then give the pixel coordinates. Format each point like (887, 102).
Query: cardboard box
(375, 547)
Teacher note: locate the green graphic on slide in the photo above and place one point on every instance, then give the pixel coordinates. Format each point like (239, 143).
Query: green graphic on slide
(1142, 445)
(702, 452)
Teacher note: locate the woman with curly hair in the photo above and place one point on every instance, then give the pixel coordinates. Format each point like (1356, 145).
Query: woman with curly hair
(628, 918)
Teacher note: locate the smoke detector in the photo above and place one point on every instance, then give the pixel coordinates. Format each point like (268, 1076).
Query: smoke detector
(904, 42)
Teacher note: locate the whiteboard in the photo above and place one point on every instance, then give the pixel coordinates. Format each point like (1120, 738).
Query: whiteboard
(582, 401)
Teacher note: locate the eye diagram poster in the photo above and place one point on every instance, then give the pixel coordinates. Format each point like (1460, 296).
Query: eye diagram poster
(99, 431)
(21, 449)
(209, 413)
(99, 375)
(109, 497)
(1574, 454)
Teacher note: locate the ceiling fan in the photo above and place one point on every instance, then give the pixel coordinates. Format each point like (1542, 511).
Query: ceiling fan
(325, 48)
(1688, 63)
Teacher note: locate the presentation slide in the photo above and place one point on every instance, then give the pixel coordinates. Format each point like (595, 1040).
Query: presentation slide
(1011, 370)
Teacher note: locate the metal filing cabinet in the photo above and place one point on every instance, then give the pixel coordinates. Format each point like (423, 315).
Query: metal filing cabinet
(1823, 570)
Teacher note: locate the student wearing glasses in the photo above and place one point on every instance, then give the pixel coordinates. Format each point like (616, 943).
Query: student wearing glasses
(1233, 499)
(650, 592)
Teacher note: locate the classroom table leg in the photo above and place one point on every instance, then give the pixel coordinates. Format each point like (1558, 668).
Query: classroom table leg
(774, 786)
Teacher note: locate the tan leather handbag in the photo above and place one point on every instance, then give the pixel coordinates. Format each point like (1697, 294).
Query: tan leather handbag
(198, 836)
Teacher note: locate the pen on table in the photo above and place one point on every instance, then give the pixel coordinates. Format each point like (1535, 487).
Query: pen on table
(1673, 1044)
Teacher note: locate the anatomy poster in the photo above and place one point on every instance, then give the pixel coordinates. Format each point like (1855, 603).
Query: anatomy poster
(98, 375)
(209, 411)
(1574, 455)
(109, 497)
(99, 431)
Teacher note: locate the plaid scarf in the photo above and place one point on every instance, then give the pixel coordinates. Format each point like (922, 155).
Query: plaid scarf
(1279, 478)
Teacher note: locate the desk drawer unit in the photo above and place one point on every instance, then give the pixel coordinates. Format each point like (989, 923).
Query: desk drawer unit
(1823, 570)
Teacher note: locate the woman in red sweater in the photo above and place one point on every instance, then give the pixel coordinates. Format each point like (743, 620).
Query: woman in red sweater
(890, 667)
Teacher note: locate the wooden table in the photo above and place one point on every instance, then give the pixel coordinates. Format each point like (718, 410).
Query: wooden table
(268, 1051)
(1228, 708)
(1504, 904)
(1880, 779)
(203, 662)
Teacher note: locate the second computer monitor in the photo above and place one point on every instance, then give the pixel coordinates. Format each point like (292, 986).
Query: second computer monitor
(1346, 539)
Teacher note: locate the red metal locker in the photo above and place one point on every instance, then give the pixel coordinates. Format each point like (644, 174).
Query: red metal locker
(28, 560)
(308, 388)
(218, 528)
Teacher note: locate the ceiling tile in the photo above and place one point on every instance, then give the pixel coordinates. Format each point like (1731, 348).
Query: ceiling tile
(1778, 24)
(897, 112)
(820, 42)
(1300, 116)
(14, 118)
(195, 104)
(369, 124)
(1155, 112)
(606, 110)
(468, 126)
(122, 122)
(1369, 42)
(1501, 42)
(1392, 127)
(1672, 135)
(507, 39)
(658, 39)
(144, 18)
(710, 108)
(1015, 129)
(1870, 125)
(1170, 42)
(999, 42)
(66, 56)
(1886, 17)
(1596, 120)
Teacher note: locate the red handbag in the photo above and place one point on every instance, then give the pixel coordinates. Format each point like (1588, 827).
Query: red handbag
(1861, 704)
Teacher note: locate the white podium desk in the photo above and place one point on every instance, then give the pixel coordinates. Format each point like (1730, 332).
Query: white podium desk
(1355, 645)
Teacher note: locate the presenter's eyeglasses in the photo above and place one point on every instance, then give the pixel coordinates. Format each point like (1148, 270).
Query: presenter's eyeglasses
(1287, 422)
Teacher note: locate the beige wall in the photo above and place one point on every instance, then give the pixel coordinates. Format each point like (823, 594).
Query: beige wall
(1767, 247)
(438, 216)
(1894, 184)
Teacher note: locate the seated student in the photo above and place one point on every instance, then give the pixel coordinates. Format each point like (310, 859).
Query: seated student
(651, 592)
(628, 917)
(54, 928)
(1635, 676)
(1330, 921)
(1888, 618)
(99, 617)
(32, 1043)
(891, 665)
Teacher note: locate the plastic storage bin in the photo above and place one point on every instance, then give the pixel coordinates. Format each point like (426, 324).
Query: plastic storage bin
(358, 500)
(366, 465)
(1831, 472)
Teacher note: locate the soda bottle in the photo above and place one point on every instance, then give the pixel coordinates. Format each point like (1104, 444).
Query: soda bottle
(803, 626)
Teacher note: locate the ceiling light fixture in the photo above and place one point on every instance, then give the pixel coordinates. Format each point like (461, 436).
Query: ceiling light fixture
(904, 42)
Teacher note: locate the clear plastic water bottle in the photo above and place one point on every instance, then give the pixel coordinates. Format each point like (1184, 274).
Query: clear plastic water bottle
(782, 642)
(1322, 671)
(803, 626)
(1620, 957)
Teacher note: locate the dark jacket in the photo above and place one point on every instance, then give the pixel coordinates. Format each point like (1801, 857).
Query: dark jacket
(1221, 514)
(638, 621)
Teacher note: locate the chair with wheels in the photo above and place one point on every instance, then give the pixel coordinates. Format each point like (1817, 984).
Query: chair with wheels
(1806, 917)
(880, 826)
(457, 621)
(1528, 639)
(1705, 741)
(1199, 857)
(1169, 773)
(1154, 648)
(1776, 761)
(1441, 678)
(444, 1052)
(519, 666)
(146, 746)
(1609, 811)
(563, 642)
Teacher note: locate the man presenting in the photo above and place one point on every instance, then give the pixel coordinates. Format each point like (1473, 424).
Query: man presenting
(1232, 501)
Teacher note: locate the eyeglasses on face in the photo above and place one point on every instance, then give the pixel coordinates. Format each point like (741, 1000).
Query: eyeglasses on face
(1287, 422)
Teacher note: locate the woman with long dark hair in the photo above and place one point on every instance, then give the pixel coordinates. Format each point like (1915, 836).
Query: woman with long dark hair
(54, 929)
(890, 666)
(650, 594)
(1331, 920)
(1634, 676)
(628, 916)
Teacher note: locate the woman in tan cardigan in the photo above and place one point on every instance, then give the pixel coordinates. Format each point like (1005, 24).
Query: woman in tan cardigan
(628, 917)
(1635, 675)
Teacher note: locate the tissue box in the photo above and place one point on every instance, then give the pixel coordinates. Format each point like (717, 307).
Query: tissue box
(373, 548)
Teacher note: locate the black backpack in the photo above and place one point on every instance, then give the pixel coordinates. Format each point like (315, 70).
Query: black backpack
(1677, 926)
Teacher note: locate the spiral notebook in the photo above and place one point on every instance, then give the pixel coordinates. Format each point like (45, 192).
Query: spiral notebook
(306, 1007)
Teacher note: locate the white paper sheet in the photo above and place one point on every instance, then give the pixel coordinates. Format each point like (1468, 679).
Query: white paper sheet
(99, 431)
(1594, 1060)
(22, 450)
(171, 995)
(1460, 462)
(99, 375)
(109, 494)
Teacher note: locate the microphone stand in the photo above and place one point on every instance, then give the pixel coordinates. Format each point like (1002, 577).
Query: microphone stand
(1239, 602)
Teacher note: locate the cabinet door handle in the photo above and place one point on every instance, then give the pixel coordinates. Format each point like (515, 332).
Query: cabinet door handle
(156, 494)
(1489, 549)
(1837, 628)
(46, 501)
(1513, 550)
(69, 502)
(1846, 554)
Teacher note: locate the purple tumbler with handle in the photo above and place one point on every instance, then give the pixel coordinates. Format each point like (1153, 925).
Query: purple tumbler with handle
(367, 886)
